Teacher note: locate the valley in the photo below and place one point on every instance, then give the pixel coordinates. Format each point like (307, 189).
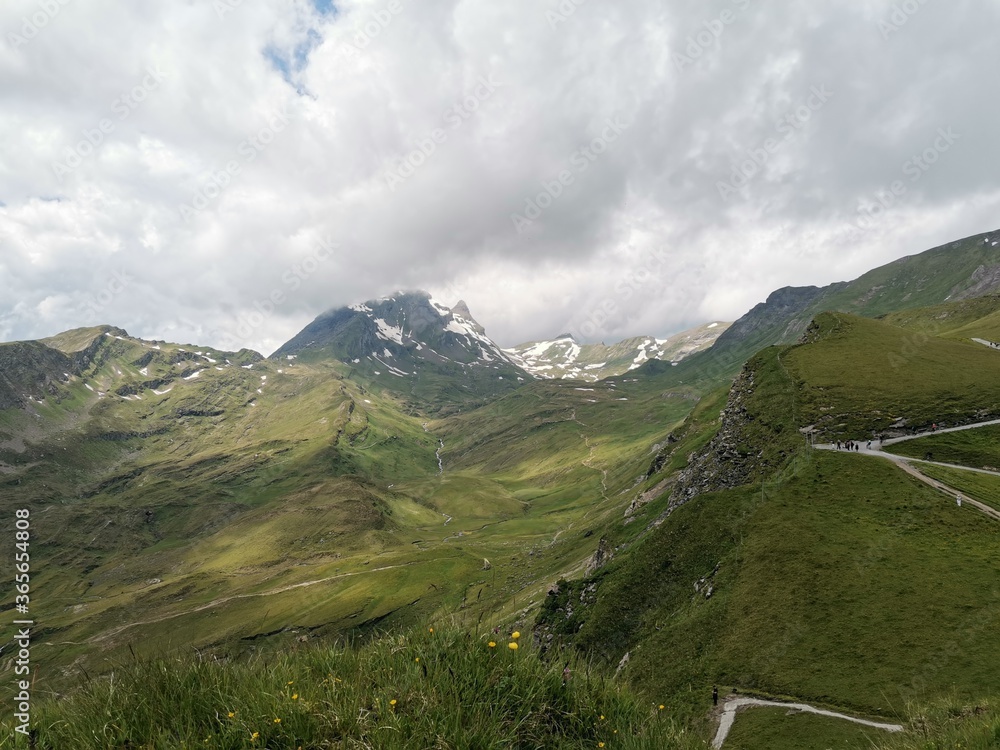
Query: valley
(674, 527)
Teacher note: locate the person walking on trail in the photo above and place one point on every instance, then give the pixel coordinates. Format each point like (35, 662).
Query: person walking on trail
(715, 695)
(838, 445)
(857, 447)
(958, 501)
(869, 446)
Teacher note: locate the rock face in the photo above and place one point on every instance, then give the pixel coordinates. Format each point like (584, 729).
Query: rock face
(601, 557)
(438, 357)
(722, 464)
(31, 370)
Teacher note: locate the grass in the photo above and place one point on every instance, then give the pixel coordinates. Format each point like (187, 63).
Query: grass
(762, 728)
(978, 448)
(982, 487)
(430, 688)
(949, 724)
(892, 375)
(818, 584)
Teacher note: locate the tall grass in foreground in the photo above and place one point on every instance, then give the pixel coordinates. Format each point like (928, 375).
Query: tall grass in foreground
(423, 690)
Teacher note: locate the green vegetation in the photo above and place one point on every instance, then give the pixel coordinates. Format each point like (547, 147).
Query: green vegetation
(861, 376)
(978, 448)
(781, 729)
(418, 690)
(948, 724)
(982, 487)
(254, 511)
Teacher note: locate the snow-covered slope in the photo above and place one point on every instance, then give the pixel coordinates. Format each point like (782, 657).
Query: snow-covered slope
(563, 357)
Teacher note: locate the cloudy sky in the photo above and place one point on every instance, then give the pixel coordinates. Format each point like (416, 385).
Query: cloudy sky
(221, 172)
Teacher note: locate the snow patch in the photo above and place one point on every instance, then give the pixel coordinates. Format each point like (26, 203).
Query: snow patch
(389, 332)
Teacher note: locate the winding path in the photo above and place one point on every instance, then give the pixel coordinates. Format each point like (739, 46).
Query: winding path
(906, 464)
(735, 704)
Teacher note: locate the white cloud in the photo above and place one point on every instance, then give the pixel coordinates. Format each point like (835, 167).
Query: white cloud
(210, 127)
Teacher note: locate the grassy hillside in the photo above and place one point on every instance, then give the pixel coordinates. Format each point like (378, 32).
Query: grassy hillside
(197, 501)
(978, 448)
(862, 376)
(839, 580)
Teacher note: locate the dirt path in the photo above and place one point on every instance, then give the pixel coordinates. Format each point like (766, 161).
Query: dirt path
(906, 464)
(733, 705)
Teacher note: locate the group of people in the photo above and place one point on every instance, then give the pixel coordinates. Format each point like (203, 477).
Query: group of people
(850, 445)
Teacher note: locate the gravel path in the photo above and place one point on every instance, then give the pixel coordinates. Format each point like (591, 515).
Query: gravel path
(733, 705)
(906, 464)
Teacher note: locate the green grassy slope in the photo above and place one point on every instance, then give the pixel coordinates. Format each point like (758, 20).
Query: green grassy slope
(197, 501)
(862, 376)
(780, 729)
(841, 581)
(978, 448)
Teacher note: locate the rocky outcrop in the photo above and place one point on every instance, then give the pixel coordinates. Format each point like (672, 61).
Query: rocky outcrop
(725, 462)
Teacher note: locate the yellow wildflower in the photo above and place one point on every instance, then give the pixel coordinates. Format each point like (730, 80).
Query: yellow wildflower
(295, 697)
(277, 721)
(392, 702)
(493, 644)
(516, 634)
(512, 646)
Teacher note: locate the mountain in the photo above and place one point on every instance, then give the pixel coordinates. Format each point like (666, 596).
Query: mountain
(224, 505)
(408, 343)
(964, 269)
(563, 357)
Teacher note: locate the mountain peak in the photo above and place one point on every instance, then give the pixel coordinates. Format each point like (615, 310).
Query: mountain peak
(412, 344)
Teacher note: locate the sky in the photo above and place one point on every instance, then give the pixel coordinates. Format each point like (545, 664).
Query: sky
(220, 172)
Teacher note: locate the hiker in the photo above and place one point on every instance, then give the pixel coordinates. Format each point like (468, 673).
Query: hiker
(838, 445)
(857, 447)
(959, 501)
(869, 446)
(715, 695)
